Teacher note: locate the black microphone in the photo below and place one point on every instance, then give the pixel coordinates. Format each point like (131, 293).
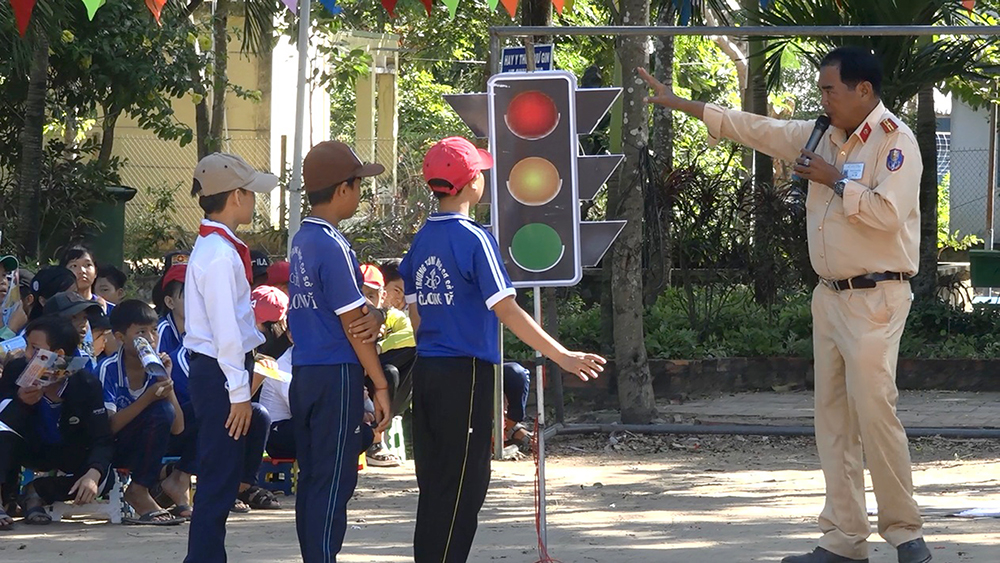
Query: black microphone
(822, 124)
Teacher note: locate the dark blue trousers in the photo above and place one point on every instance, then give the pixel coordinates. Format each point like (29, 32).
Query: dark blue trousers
(516, 385)
(185, 444)
(327, 408)
(142, 443)
(221, 461)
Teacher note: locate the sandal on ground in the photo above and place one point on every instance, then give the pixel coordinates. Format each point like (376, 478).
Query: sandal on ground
(240, 507)
(259, 498)
(182, 511)
(523, 443)
(377, 456)
(154, 518)
(37, 516)
(6, 522)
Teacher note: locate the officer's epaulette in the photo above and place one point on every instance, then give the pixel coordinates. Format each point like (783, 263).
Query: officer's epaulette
(889, 125)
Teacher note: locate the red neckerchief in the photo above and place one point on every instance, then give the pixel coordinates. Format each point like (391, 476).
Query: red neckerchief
(241, 247)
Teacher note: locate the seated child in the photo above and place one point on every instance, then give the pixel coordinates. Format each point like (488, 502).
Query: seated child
(110, 284)
(168, 297)
(270, 307)
(47, 282)
(393, 285)
(59, 427)
(397, 351)
(79, 259)
(516, 386)
(143, 409)
(71, 305)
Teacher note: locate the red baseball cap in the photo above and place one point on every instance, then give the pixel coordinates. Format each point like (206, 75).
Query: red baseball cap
(456, 161)
(277, 274)
(175, 273)
(270, 304)
(373, 276)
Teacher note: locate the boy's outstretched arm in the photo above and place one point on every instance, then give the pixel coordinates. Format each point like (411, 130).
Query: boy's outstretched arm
(583, 365)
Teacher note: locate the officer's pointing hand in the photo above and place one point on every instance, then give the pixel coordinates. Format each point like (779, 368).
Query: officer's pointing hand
(663, 95)
(811, 166)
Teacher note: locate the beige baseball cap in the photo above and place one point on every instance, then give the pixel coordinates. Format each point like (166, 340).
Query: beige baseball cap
(222, 172)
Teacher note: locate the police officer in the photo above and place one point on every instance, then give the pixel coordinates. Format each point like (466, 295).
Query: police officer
(863, 222)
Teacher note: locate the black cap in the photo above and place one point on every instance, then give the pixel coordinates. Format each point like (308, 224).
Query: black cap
(259, 263)
(98, 320)
(51, 280)
(24, 279)
(68, 304)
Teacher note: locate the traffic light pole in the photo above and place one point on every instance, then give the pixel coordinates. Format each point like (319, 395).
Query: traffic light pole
(540, 426)
(498, 418)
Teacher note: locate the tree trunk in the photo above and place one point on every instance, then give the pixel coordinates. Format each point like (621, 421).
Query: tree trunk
(925, 284)
(662, 142)
(107, 135)
(32, 139)
(625, 201)
(220, 59)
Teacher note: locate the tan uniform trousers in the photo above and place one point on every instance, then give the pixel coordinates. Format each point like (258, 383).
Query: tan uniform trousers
(856, 342)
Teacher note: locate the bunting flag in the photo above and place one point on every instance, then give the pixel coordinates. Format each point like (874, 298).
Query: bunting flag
(390, 6)
(292, 5)
(428, 4)
(559, 5)
(452, 7)
(92, 7)
(330, 5)
(155, 8)
(22, 13)
(511, 6)
(969, 4)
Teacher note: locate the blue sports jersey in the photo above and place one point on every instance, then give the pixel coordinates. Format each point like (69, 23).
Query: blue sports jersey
(454, 274)
(169, 337)
(117, 395)
(324, 282)
(179, 373)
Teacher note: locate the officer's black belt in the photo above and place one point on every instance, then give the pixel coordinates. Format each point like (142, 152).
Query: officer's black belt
(866, 281)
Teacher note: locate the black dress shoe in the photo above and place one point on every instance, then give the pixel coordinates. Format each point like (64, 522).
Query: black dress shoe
(820, 555)
(914, 552)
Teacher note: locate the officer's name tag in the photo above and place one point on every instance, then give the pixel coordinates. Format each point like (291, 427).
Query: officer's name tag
(854, 170)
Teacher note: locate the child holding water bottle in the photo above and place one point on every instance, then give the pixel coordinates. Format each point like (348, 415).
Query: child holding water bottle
(142, 406)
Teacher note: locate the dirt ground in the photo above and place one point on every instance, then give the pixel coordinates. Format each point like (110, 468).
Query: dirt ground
(615, 499)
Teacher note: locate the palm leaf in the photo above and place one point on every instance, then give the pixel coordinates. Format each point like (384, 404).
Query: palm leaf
(258, 23)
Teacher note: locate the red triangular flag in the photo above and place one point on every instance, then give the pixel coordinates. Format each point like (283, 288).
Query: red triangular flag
(428, 4)
(511, 6)
(155, 7)
(22, 13)
(558, 4)
(390, 6)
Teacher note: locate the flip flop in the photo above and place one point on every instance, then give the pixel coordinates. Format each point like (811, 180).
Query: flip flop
(180, 509)
(149, 519)
(6, 522)
(37, 516)
(240, 507)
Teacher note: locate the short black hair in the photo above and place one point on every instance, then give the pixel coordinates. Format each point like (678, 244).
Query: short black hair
(210, 203)
(115, 276)
(390, 270)
(75, 252)
(132, 312)
(439, 183)
(59, 331)
(325, 195)
(160, 293)
(857, 65)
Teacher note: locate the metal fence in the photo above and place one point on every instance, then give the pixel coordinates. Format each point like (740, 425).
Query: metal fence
(153, 166)
(967, 169)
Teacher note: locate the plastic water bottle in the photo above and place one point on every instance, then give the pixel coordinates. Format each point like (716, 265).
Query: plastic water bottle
(150, 361)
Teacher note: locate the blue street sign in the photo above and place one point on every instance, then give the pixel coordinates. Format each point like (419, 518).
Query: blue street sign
(513, 59)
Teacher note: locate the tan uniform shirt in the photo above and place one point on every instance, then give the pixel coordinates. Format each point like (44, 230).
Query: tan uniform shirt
(876, 226)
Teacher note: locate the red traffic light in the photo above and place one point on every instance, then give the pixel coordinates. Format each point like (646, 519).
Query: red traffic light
(532, 115)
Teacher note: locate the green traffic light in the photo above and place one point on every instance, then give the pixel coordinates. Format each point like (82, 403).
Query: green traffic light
(536, 247)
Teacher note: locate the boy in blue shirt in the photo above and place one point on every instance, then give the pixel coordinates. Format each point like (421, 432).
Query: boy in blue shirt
(143, 410)
(328, 361)
(457, 288)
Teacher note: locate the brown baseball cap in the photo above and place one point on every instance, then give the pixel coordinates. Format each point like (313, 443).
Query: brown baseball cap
(332, 162)
(220, 172)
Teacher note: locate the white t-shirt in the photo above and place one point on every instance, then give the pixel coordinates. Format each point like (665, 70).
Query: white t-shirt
(274, 393)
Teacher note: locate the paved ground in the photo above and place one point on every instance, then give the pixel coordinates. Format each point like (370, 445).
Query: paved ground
(921, 409)
(662, 499)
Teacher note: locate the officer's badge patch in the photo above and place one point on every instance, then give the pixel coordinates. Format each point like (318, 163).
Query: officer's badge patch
(888, 125)
(895, 160)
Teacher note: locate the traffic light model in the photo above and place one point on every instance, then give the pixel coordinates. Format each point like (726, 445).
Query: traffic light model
(532, 121)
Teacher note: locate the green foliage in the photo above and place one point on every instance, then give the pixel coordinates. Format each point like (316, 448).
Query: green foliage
(151, 231)
(948, 239)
